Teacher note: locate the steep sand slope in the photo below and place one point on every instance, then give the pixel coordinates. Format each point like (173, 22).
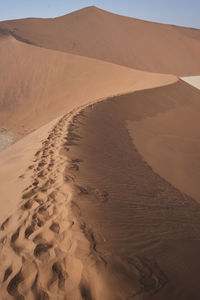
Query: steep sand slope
(37, 85)
(45, 251)
(146, 230)
(96, 33)
(169, 137)
(87, 217)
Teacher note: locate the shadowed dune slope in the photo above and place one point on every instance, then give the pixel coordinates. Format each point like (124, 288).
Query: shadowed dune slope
(96, 33)
(88, 217)
(168, 138)
(138, 221)
(37, 85)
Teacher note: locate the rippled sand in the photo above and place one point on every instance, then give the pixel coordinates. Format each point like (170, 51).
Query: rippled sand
(143, 227)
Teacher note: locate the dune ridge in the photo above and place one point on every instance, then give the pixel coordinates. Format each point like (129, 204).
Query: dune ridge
(59, 246)
(45, 255)
(99, 34)
(138, 219)
(37, 84)
(100, 195)
(51, 252)
(169, 139)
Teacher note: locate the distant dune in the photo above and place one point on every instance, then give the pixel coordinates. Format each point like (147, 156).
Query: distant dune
(96, 33)
(37, 85)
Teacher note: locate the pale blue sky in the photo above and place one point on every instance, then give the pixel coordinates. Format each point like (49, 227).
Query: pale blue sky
(180, 12)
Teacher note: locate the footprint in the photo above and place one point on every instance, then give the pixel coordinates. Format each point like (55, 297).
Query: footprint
(82, 190)
(27, 205)
(31, 167)
(39, 294)
(29, 230)
(74, 167)
(12, 287)
(43, 211)
(39, 201)
(42, 295)
(55, 227)
(15, 235)
(38, 239)
(85, 292)
(5, 223)
(7, 273)
(68, 178)
(47, 185)
(42, 173)
(42, 163)
(30, 193)
(53, 195)
(60, 274)
(42, 248)
(36, 182)
(77, 160)
(103, 196)
(37, 153)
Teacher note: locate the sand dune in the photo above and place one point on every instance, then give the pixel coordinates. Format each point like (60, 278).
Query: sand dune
(43, 251)
(146, 230)
(96, 33)
(169, 138)
(38, 85)
(89, 218)
(100, 196)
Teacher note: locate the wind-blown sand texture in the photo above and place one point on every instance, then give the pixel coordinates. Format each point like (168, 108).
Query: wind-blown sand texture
(102, 200)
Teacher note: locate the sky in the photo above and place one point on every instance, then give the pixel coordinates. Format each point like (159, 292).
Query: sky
(177, 12)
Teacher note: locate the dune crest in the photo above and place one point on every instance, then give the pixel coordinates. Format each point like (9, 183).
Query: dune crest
(100, 192)
(169, 138)
(45, 250)
(99, 34)
(38, 85)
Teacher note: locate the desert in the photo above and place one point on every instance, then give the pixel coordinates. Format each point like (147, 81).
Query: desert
(99, 158)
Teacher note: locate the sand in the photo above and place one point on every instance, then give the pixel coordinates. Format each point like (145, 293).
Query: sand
(145, 229)
(100, 194)
(37, 85)
(80, 183)
(96, 33)
(169, 139)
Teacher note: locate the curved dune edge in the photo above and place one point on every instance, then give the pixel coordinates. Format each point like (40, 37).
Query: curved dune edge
(15, 160)
(136, 220)
(96, 33)
(38, 85)
(40, 242)
(44, 254)
(44, 229)
(169, 139)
